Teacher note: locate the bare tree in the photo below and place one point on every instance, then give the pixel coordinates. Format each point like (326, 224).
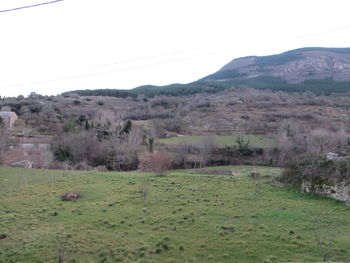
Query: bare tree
(155, 162)
(42, 157)
(323, 237)
(183, 150)
(145, 190)
(321, 141)
(4, 141)
(112, 128)
(205, 148)
(135, 137)
(257, 184)
(294, 140)
(62, 243)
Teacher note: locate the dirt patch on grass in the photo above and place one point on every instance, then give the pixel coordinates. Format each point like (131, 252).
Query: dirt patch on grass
(69, 196)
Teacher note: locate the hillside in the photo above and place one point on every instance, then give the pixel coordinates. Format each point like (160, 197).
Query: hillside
(295, 66)
(319, 70)
(223, 117)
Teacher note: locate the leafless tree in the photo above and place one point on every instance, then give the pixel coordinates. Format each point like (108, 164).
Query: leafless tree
(323, 235)
(294, 140)
(321, 141)
(183, 149)
(145, 190)
(156, 162)
(62, 243)
(205, 148)
(4, 141)
(112, 128)
(257, 184)
(135, 137)
(42, 157)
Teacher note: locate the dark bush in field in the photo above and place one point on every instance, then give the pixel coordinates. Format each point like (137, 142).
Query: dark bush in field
(69, 196)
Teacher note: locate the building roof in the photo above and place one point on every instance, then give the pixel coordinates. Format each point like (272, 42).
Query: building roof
(7, 113)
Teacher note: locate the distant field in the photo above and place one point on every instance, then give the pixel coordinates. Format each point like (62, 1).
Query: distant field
(226, 140)
(182, 217)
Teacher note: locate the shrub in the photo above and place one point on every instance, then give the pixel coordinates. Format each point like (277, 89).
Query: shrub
(35, 108)
(155, 162)
(100, 168)
(83, 165)
(291, 176)
(243, 146)
(317, 170)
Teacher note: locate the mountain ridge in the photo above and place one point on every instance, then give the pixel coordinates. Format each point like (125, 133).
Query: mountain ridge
(294, 66)
(316, 69)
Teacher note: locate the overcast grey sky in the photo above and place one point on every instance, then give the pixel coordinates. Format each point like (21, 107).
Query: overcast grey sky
(90, 44)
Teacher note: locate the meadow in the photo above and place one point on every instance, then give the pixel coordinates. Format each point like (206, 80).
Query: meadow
(186, 216)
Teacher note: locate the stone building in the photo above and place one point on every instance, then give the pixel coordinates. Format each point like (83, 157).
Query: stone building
(8, 118)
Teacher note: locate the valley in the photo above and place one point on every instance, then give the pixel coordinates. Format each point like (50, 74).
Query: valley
(249, 164)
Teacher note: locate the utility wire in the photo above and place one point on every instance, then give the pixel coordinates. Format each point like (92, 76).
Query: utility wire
(204, 47)
(30, 6)
(323, 32)
(154, 64)
(105, 72)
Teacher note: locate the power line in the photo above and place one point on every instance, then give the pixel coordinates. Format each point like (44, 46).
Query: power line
(205, 47)
(104, 72)
(30, 6)
(78, 76)
(323, 32)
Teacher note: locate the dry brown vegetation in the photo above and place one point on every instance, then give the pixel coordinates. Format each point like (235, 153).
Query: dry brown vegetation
(111, 132)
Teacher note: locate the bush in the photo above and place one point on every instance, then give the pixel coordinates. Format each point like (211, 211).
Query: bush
(100, 168)
(35, 108)
(317, 170)
(291, 177)
(155, 162)
(243, 147)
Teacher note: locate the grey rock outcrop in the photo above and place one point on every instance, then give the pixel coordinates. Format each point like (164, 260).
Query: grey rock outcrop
(339, 191)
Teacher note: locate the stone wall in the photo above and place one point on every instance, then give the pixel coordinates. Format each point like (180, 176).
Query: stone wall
(340, 191)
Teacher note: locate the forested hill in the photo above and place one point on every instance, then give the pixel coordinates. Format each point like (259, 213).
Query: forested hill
(319, 70)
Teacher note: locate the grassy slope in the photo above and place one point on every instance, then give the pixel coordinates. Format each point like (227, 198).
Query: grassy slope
(225, 140)
(186, 218)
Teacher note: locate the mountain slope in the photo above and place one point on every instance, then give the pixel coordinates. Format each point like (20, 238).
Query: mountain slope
(315, 69)
(295, 66)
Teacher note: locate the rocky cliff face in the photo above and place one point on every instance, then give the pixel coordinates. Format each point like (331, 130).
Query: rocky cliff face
(294, 66)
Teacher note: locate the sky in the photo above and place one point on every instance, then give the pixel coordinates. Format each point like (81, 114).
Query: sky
(118, 44)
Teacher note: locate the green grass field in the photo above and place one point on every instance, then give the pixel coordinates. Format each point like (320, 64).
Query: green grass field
(182, 217)
(224, 140)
